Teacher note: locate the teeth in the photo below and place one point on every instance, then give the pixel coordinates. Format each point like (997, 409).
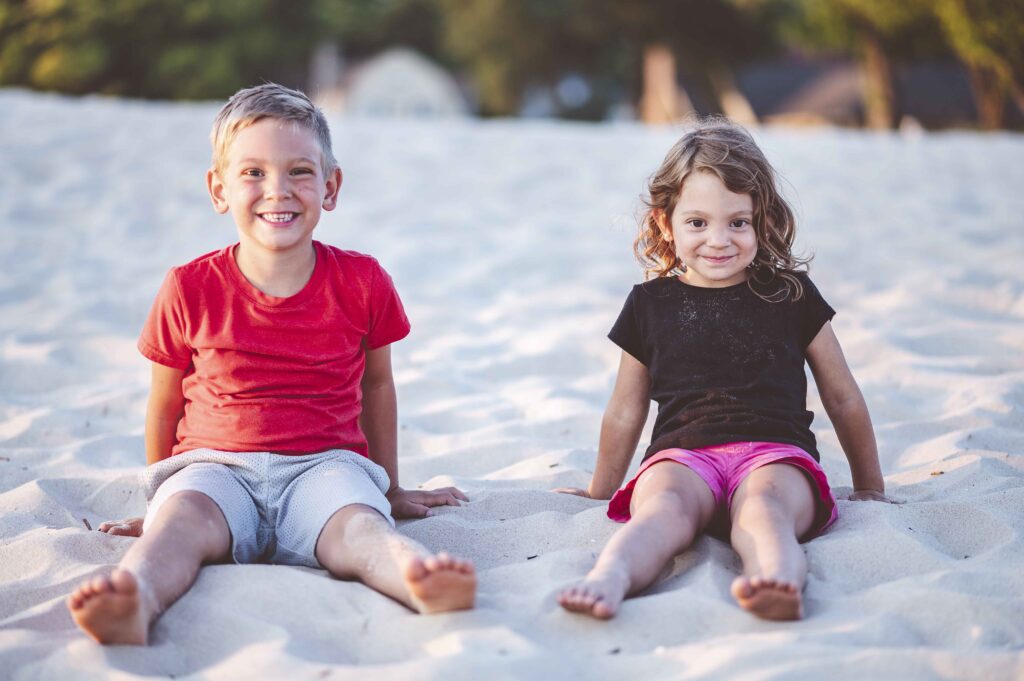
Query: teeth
(277, 217)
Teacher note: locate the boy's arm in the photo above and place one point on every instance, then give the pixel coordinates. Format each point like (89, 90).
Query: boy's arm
(164, 411)
(379, 422)
(623, 421)
(845, 406)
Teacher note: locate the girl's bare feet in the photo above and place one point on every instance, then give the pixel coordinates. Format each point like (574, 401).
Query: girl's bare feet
(110, 609)
(599, 595)
(769, 599)
(441, 584)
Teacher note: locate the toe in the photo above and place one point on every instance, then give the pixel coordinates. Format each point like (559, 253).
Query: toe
(602, 610)
(417, 569)
(123, 582)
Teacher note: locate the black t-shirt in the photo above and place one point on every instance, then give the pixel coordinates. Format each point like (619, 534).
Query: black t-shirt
(725, 364)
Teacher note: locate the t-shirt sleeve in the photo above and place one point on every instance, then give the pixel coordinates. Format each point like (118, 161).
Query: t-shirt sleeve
(388, 322)
(163, 337)
(626, 331)
(815, 312)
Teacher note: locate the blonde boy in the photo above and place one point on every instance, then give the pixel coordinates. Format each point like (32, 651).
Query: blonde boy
(271, 426)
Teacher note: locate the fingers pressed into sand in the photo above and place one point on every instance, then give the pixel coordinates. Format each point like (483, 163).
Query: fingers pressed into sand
(768, 599)
(441, 583)
(110, 609)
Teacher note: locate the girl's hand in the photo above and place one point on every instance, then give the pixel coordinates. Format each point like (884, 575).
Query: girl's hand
(130, 527)
(417, 503)
(870, 495)
(573, 490)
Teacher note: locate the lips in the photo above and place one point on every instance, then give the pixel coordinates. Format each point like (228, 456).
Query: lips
(719, 260)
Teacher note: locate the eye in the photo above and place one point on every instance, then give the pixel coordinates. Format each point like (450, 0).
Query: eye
(252, 172)
(303, 171)
(739, 223)
(697, 223)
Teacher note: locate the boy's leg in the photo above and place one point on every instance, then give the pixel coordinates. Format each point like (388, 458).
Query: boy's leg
(359, 543)
(188, 530)
(671, 505)
(771, 509)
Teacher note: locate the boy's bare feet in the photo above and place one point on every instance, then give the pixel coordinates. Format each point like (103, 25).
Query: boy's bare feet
(598, 595)
(109, 609)
(441, 584)
(769, 599)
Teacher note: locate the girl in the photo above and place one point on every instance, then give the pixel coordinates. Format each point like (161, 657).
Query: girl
(718, 338)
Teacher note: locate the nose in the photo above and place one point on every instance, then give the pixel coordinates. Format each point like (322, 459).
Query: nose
(277, 187)
(718, 237)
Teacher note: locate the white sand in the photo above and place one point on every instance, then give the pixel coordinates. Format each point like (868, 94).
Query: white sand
(510, 243)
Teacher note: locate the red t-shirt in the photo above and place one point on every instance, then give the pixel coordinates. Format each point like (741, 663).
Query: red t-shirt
(272, 374)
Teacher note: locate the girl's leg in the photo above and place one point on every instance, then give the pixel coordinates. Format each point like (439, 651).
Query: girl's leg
(359, 543)
(671, 505)
(771, 509)
(188, 530)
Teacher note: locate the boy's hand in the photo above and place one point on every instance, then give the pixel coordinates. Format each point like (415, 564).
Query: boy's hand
(870, 495)
(131, 527)
(573, 490)
(417, 503)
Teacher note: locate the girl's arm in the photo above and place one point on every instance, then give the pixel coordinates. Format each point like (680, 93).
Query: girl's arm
(623, 421)
(379, 422)
(845, 406)
(164, 411)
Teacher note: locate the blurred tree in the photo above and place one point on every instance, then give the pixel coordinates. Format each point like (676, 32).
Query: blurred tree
(511, 44)
(988, 36)
(877, 31)
(365, 27)
(153, 48)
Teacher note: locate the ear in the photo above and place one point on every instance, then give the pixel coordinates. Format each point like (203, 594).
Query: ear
(333, 187)
(215, 186)
(664, 225)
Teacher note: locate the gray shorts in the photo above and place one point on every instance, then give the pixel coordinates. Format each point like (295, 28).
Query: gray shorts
(275, 505)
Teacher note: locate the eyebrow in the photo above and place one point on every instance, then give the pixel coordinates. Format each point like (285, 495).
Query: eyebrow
(257, 161)
(702, 214)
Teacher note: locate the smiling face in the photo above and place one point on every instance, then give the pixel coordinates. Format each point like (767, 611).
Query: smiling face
(273, 183)
(712, 231)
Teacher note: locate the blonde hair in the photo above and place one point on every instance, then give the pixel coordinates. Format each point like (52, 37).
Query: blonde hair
(719, 146)
(270, 100)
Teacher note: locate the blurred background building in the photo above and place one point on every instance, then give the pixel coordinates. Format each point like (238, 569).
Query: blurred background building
(872, 63)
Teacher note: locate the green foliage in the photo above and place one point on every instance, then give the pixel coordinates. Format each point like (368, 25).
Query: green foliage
(365, 27)
(906, 29)
(510, 44)
(154, 48)
(987, 34)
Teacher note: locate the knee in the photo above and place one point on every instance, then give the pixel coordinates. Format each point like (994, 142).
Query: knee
(352, 524)
(189, 504)
(669, 506)
(761, 511)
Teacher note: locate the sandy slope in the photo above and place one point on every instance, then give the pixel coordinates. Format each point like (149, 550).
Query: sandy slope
(510, 243)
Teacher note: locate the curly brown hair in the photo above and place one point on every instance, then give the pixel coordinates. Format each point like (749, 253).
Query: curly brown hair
(724, 148)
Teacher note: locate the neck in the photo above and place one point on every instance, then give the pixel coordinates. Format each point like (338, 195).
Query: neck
(279, 274)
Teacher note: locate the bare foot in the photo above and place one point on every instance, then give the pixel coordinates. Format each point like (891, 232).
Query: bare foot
(769, 599)
(109, 609)
(441, 584)
(599, 595)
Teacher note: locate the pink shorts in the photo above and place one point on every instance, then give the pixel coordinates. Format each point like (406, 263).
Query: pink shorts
(724, 467)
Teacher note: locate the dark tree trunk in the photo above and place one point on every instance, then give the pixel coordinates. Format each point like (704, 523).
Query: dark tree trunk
(879, 100)
(989, 97)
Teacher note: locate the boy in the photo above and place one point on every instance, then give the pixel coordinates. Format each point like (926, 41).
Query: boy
(271, 425)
